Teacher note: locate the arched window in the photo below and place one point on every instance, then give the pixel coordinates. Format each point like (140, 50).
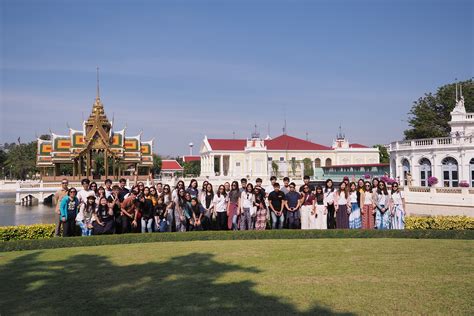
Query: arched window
(406, 172)
(471, 171)
(425, 171)
(317, 163)
(328, 162)
(449, 166)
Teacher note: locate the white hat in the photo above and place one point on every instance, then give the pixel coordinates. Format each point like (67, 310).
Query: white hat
(91, 194)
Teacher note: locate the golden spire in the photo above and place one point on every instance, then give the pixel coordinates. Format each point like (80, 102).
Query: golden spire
(98, 91)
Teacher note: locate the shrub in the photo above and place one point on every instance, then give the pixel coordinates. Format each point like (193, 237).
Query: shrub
(37, 231)
(432, 181)
(440, 222)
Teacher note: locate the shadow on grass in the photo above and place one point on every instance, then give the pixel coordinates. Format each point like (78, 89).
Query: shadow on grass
(92, 284)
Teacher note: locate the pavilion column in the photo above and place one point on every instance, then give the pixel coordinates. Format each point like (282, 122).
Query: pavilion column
(221, 165)
(88, 164)
(74, 167)
(79, 167)
(106, 164)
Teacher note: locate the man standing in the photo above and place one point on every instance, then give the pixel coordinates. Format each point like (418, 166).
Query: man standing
(58, 196)
(108, 188)
(123, 192)
(306, 182)
(276, 205)
(269, 189)
(243, 183)
(286, 185)
(84, 193)
(293, 203)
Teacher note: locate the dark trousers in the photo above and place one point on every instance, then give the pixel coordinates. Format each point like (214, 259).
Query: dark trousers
(125, 221)
(293, 219)
(221, 220)
(69, 227)
(331, 220)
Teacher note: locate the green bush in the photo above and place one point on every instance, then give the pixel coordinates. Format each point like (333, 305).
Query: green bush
(440, 222)
(21, 232)
(229, 235)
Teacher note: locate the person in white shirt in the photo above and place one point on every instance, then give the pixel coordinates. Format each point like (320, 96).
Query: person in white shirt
(220, 201)
(84, 193)
(329, 199)
(247, 201)
(398, 207)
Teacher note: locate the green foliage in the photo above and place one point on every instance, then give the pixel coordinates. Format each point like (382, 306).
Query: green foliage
(308, 167)
(293, 166)
(157, 161)
(21, 160)
(429, 115)
(192, 168)
(440, 222)
(22, 232)
(47, 242)
(384, 156)
(275, 168)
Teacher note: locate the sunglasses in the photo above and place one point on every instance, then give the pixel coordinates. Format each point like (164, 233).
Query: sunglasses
(65, 183)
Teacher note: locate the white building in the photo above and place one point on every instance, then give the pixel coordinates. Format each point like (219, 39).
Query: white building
(449, 159)
(281, 156)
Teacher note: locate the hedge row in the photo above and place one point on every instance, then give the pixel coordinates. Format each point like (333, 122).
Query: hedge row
(22, 232)
(440, 222)
(230, 235)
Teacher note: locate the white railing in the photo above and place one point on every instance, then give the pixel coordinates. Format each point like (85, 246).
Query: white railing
(432, 143)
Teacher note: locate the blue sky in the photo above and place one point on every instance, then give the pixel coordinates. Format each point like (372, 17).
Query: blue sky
(179, 70)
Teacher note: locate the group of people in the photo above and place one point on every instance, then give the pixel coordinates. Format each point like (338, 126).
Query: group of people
(110, 209)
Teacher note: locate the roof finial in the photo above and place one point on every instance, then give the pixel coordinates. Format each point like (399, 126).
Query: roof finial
(98, 91)
(460, 91)
(456, 79)
(284, 123)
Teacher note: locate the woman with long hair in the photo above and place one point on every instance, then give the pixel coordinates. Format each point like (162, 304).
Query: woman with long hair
(100, 193)
(367, 211)
(397, 201)
(103, 222)
(354, 198)
(329, 198)
(169, 202)
(86, 213)
(220, 206)
(247, 200)
(261, 213)
(308, 209)
(179, 211)
(342, 206)
(233, 206)
(193, 188)
(161, 213)
(93, 187)
(202, 193)
(208, 207)
(321, 209)
(382, 201)
(152, 195)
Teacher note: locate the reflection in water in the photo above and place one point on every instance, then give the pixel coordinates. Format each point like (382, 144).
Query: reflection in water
(11, 214)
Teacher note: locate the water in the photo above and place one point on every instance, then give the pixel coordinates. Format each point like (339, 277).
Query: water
(11, 214)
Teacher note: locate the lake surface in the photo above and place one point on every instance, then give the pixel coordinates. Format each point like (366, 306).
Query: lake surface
(11, 214)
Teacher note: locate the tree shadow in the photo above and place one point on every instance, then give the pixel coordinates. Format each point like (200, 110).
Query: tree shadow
(92, 284)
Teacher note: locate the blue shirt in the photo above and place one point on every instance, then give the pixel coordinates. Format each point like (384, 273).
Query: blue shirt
(292, 199)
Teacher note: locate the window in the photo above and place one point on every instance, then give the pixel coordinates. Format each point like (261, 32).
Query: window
(449, 166)
(270, 158)
(237, 164)
(406, 172)
(425, 171)
(471, 169)
(282, 158)
(317, 163)
(328, 162)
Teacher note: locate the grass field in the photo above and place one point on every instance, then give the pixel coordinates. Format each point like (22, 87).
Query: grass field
(319, 276)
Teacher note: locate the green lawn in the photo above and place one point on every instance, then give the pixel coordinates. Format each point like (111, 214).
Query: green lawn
(319, 276)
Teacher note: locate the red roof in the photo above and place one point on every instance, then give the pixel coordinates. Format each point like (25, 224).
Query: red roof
(191, 158)
(357, 146)
(227, 144)
(282, 142)
(285, 142)
(170, 165)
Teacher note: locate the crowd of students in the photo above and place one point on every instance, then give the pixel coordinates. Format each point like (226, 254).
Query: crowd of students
(113, 209)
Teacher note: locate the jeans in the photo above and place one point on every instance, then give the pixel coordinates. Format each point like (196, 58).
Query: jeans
(235, 224)
(245, 220)
(277, 221)
(147, 225)
(85, 230)
(293, 219)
